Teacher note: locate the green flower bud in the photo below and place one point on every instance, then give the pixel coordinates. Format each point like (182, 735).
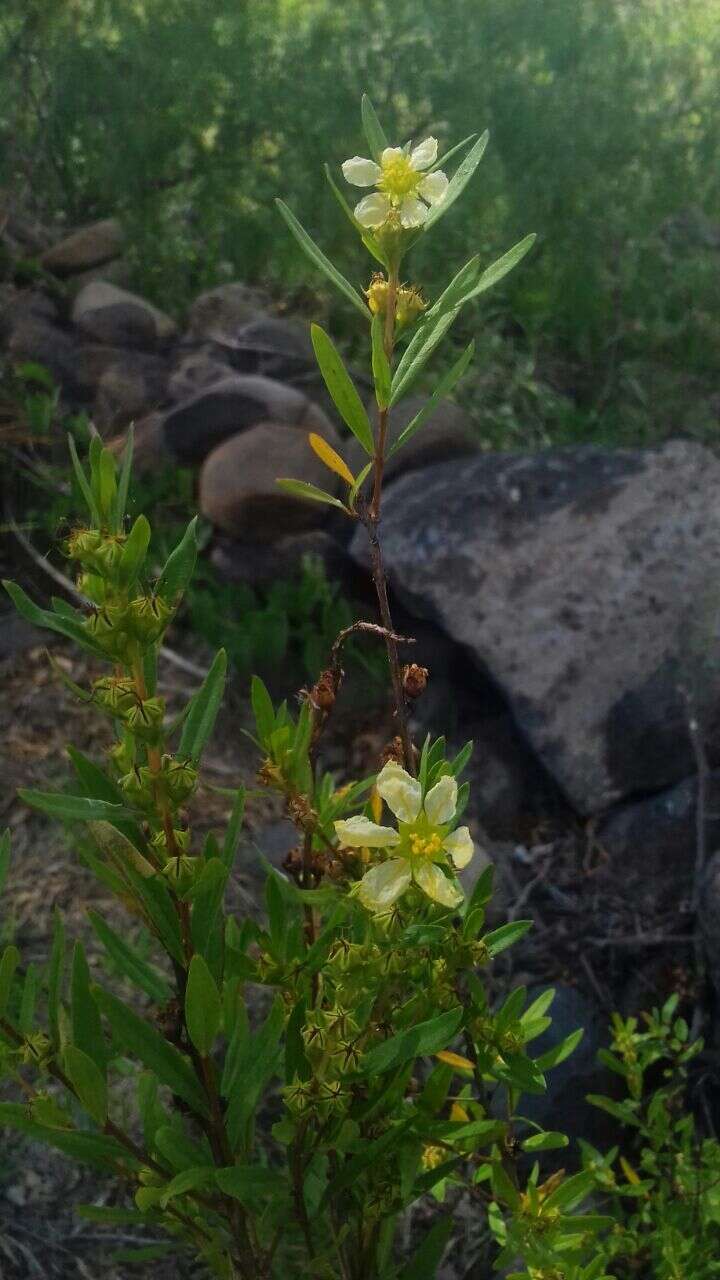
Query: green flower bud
(148, 616)
(137, 786)
(298, 1096)
(145, 718)
(83, 544)
(92, 586)
(115, 694)
(179, 777)
(181, 871)
(122, 755)
(36, 1050)
(106, 626)
(182, 841)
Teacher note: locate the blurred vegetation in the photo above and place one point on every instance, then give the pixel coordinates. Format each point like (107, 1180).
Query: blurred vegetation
(185, 118)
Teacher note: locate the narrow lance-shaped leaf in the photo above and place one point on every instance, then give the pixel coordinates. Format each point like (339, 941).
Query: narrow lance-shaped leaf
(492, 274)
(87, 1031)
(459, 180)
(318, 258)
(134, 551)
(8, 964)
(374, 132)
(88, 1082)
(341, 388)
(425, 1038)
(141, 1039)
(202, 1006)
(124, 479)
(204, 707)
(82, 480)
(332, 460)
(413, 361)
(443, 389)
(180, 565)
(129, 962)
(72, 808)
(301, 489)
(55, 974)
(71, 628)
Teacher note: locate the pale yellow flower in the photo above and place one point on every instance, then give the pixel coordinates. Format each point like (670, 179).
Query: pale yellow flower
(422, 848)
(404, 189)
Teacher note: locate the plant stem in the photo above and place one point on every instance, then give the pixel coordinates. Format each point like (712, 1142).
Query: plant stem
(370, 517)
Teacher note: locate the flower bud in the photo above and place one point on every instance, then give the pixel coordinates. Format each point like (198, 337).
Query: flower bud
(145, 718)
(181, 871)
(147, 617)
(36, 1049)
(115, 694)
(92, 586)
(377, 294)
(181, 838)
(179, 777)
(410, 305)
(137, 787)
(415, 680)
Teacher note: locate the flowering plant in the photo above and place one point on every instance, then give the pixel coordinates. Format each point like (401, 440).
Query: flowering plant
(287, 1133)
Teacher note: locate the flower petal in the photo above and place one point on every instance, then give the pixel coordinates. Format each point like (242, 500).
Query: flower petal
(433, 187)
(361, 172)
(360, 833)
(431, 880)
(441, 801)
(390, 154)
(373, 210)
(424, 154)
(460, 847)
(401, 793)
(383, 885)
(412, 212)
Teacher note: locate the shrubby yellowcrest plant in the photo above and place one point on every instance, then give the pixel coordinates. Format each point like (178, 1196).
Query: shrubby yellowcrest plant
(286, 1134)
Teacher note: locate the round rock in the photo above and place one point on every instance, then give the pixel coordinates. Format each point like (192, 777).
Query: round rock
(105, 313)
(86, 248)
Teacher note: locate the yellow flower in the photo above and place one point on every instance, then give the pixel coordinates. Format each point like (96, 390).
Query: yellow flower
(404, 188)
(424, 847)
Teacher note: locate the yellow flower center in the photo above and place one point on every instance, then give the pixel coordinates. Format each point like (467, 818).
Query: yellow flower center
(398, 177)
(425, 846)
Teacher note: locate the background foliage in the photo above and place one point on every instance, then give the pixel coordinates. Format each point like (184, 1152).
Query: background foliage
(187, 118)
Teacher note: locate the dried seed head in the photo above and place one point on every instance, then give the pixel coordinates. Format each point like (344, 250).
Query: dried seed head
(415, 680)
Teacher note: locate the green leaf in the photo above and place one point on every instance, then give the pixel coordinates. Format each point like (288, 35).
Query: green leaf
(179, 566)
(249, 1183)
(492, 274)
(139, 1039)
(55, 975)
(28, 999)
(205, 928)
(124, 480)
(88, 1148)
(87, 1033)
(233, 829)
(97, 786)
(360, 479)
(296, 1062)
(263, 710)
(202, 1006)
(258, 1060)
(88, 1082)
(129, 962)
(301, 489)
(506, 936)
(373, 130)
(105, 485)
(83, 484)
(425, 1038)
(8, 965)
(448, 155)
(63, 625)
(203, 709)
(418, 353)
(549, 1141)
(318, 258)
(73, 808)
(342, 388)
(459, 180)
(426, 1259)
(454, 294)
(571, 1192)
(134, 551)
(444, 387)
(380, 363)
(186, 1180)
(560, 1051)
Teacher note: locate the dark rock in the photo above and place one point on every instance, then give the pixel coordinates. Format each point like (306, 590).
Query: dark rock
(225, 408)
(194, 372)
(583, 582)
(149, 448)
(259, 564)
(17, 305)
(652, 843)
(34, 338)
(129, 388)
(222, 311)
(105, 313)
(238, 483)
(274, 348)
(88, 247)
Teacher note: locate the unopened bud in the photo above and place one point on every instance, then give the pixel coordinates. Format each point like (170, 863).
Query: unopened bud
(415, 680)
(377, 294)
(145, 718)
(148, 616)
(410, 305)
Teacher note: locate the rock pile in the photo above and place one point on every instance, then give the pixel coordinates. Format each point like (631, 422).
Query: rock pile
(568, 598)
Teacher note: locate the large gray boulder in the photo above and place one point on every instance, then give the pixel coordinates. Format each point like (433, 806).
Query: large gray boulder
(585, 583)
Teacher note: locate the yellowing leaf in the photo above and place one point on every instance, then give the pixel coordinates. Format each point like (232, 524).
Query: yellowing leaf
(454, 1060)
(376, 805)
(332, 460)
(458, 1113)
(629, 1172)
